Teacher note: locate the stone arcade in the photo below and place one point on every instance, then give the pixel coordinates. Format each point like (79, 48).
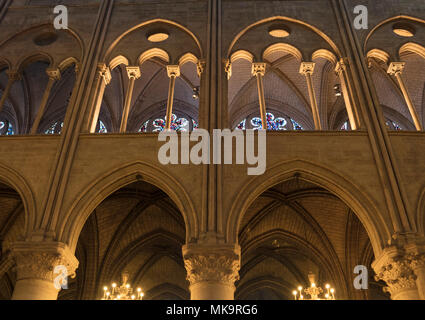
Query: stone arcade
(81, 185)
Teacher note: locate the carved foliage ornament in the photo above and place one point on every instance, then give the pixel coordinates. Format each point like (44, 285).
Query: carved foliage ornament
(399, 274)
(213, 267)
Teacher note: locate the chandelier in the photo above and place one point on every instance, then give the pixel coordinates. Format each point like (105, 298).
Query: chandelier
(314, 291)
(123, 292)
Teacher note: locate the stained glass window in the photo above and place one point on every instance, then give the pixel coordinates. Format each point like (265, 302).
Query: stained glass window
(195, 124)
(55, 128)
(345, 126)
(241, 125)
(144, 127)
(274, 124)
(6, 128)
(392, 125)
(296, 125)
(177, 124)
(102, 127)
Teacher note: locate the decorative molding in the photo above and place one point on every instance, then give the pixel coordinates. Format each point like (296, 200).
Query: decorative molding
(212, 264)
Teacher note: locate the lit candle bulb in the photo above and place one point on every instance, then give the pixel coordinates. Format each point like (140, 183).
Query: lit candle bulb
(295, 294)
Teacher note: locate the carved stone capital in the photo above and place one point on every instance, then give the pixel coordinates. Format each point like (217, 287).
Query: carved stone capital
(398, 275)
(214, 264)
(104, 72)
(258, 68)
(396, 68)
(396, 269)
(341, 66)
(307, 68)
(173, 71)
(37, 260)
(228, 68)
(13, 75)
(200, 66)
(133, 72)
(53, 73)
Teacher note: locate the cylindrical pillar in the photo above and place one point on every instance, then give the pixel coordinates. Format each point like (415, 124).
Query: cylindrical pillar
(42, 268)
(259, 70)
(212, 271)
(341, 70)
(173, 72)
(54, 74)
(133, 74)
(103, 78)
(13, 76)
(396, 69)
(307, 69)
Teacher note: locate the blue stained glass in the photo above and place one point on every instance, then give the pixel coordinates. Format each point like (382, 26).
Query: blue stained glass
(177, 124)
(102, 127)
(55, 128)
(9, 131)
(296, 125)
(273, 124)
(392, 125)
(345, 126)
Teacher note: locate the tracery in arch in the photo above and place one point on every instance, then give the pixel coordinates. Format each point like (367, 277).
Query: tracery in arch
(155, 62)
(27, 109)
(397, 66)
(286, 88)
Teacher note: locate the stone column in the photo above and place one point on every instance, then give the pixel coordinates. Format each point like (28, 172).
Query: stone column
(173, 72)
(212, 271)
(13, 76)
(307, 69)
(341, 70)
(259, 70)
(133, 74)
(54, 75)
(36, 274)
(395, 268)
(396, 69)
(103, 78)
